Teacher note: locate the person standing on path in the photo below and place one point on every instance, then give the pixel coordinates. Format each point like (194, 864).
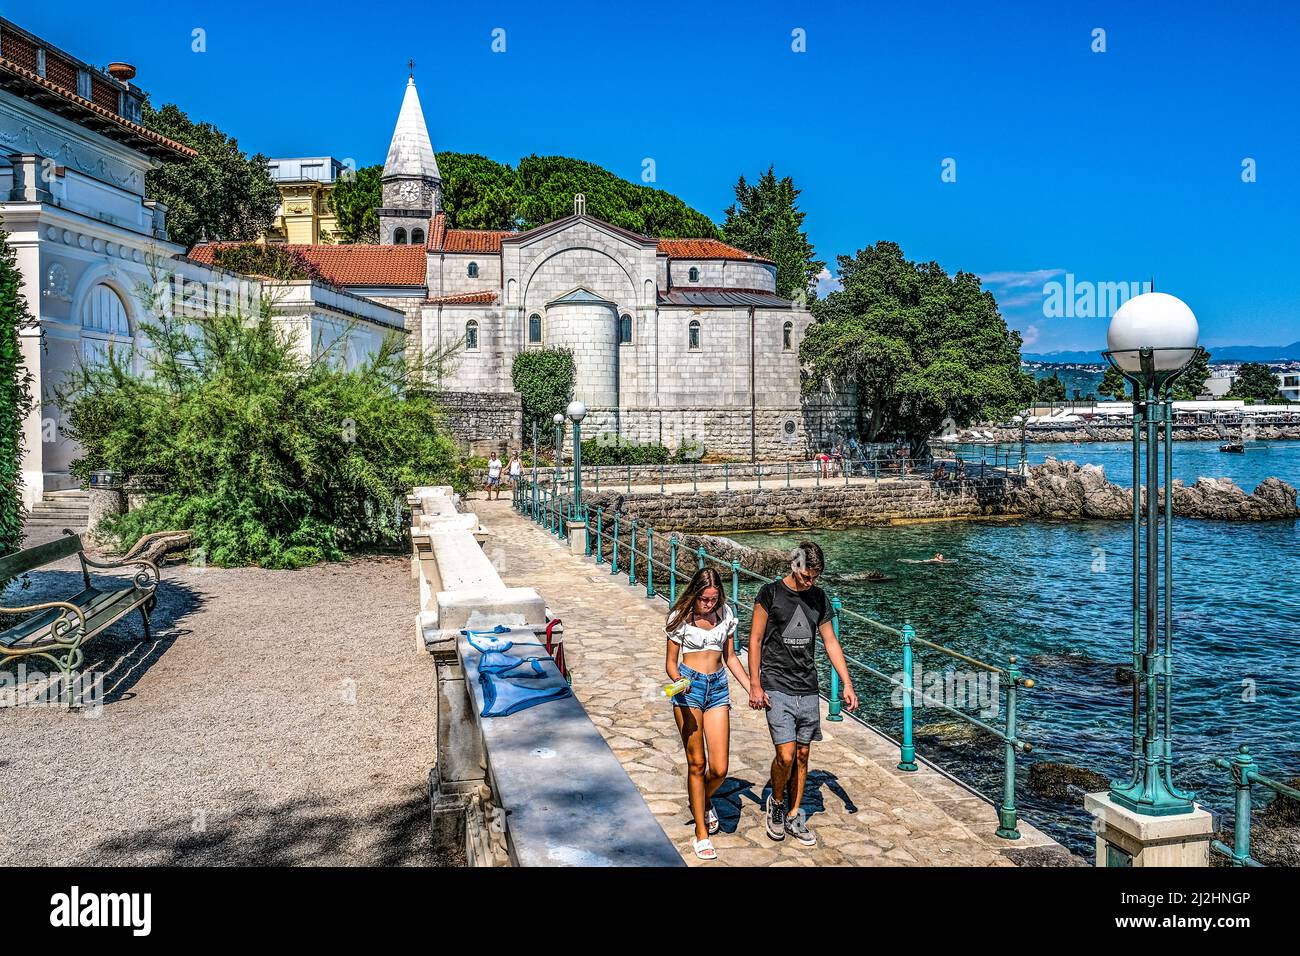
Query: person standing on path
(789, 615)
(516, 469)
(700, 629)
(494, 476)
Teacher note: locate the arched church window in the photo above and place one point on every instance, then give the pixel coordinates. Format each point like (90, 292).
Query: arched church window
(534, 329)
(472, 271)
(471, 335)
(399, 236)
(693, 335)
(694, 274)
(624, 329)
(417, 237)
(787, 336)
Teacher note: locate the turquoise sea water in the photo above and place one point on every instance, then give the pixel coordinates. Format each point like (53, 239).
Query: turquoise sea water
(1057, 595)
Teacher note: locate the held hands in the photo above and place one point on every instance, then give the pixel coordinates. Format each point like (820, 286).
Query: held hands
(758, 697)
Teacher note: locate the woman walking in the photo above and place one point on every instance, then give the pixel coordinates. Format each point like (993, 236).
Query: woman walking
(700, 628)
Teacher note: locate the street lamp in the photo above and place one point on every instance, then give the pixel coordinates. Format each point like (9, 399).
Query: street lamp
(1152, 339)
(576, 413)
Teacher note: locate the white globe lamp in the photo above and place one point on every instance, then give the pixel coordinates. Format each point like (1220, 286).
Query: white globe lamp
(1156, 321)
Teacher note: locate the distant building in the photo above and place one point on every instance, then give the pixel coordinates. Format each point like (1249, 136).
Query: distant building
(305, 215)
(1288, 383)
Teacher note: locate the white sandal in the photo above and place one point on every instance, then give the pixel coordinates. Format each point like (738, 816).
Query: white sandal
(711, 820)
(704, 850)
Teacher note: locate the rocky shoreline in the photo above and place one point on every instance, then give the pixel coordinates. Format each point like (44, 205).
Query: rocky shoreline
(1066, 490)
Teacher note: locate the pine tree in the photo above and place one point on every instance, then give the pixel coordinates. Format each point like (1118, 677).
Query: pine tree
(766, 221)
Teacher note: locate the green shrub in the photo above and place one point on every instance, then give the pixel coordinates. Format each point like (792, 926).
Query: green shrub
(268, 459)
(611, 450)
(15, 397)
(544, 379)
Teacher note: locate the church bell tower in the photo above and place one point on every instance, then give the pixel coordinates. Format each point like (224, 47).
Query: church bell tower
(411, 183)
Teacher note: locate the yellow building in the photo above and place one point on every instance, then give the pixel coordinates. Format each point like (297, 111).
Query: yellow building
(305, 184)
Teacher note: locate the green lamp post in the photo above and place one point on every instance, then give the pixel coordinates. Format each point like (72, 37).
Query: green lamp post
(1152, 339)
(559, 445)
(576, 412)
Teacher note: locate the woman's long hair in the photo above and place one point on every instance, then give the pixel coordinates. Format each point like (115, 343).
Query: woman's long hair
(703, 579)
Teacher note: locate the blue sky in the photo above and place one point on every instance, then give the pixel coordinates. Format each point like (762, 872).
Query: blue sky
(1112, 166)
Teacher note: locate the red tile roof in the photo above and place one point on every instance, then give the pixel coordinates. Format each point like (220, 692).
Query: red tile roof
(704, 249)
(442, 239)
(463, 298)
(354, 265)
(88, 113)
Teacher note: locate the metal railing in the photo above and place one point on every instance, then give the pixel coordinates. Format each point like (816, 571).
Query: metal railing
(810, 474)
(627, 545)
(1244, 775)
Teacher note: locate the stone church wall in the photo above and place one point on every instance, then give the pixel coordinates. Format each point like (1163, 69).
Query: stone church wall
(484, 422)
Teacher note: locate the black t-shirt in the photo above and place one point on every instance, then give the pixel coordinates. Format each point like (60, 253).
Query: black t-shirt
(790, 640)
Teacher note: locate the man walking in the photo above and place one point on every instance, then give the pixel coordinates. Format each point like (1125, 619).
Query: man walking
(789, 614)
(494, 476)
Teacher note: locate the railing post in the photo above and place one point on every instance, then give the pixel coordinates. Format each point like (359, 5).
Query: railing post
(1241, 768)
(759, 464)
(1007, 812)
(629, 479)
(695, 477)
(875, 470)
(661, 479)
(672, 571)
(787, 475)
(600, 514)
(613, 560)
(597, 470)
(631, 556)
(726, 476)
(649, 562)
(586, 530)
(907, 750)
(836, 704)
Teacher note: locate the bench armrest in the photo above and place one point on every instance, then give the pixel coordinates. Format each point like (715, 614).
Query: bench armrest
(64, 630)
(146, 578)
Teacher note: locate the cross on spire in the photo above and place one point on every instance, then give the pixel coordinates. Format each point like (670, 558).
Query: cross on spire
(579, 204)
(410, 64)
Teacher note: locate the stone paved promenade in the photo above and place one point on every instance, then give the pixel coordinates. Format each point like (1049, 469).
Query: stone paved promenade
(864, 810)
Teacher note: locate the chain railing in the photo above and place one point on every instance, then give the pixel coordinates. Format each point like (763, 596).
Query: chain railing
(1244, 776)
(627, 545)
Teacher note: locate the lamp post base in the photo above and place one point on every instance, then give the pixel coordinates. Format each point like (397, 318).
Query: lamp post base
(1126, 838)
(577, 537)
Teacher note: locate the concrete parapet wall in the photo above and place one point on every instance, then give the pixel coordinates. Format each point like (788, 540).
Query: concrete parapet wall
(546, 770)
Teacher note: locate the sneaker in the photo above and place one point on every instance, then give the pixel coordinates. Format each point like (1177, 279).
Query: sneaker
(799, 830)
(775, 819)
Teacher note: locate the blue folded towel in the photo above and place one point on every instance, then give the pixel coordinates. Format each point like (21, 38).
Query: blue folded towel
(503, 695)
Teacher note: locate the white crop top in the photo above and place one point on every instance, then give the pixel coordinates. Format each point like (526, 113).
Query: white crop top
(693, 638)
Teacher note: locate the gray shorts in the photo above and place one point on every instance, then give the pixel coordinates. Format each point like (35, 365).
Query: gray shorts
(796, 718)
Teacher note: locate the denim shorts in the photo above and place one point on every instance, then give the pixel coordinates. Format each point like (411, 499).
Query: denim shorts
(706, 691)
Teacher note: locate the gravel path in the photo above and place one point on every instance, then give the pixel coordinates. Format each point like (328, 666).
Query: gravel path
(278, 717)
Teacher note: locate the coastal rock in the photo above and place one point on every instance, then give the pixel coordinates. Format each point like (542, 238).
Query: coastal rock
(1275, 835)
(769, 562)
(1067, 490)
(1055, 780)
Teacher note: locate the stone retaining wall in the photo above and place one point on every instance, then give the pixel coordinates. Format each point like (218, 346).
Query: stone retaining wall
(826, 507)
(484, 422)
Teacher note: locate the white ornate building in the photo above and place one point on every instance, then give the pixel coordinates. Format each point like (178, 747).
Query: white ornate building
(671, 338)
(93, 250)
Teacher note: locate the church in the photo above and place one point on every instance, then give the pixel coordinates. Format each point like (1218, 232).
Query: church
(672, 339)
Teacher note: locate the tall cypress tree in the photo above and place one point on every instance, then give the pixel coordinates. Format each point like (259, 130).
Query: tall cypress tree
(766, 221)
(15, 396)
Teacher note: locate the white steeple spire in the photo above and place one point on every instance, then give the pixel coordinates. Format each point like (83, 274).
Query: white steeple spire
(410, 153)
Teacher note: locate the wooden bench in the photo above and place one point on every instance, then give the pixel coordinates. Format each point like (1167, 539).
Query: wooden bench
(57, 630)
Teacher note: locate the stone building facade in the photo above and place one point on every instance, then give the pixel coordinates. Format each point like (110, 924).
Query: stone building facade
(673, 339)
